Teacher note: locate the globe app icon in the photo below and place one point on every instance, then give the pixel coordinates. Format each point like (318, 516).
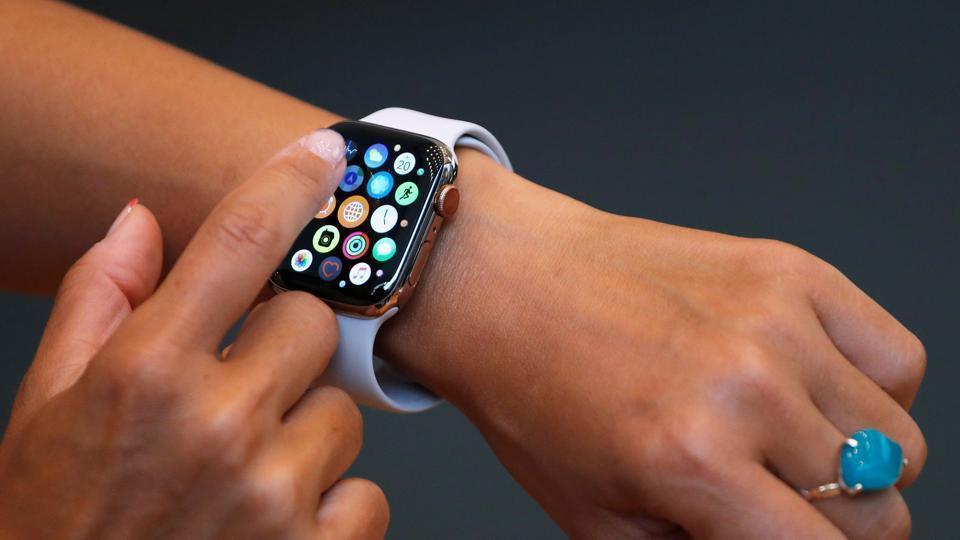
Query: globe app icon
(353, 211)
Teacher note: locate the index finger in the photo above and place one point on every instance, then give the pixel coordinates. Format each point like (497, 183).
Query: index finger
(232, 255)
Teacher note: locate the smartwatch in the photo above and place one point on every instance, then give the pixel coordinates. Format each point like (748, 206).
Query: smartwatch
(364, 252)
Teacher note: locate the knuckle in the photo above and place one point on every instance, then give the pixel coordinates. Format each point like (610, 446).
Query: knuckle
(308, 308)
(915, 450)
(748, 374)
(377, 506)
(369, 515)
(904, 373)
(765, 318)
(142, 376)
(788, 260)
(689, 446)
(325, 317)
(222, 437)
(915, 364)
(270, 498)
(75, 277)
(246, 226)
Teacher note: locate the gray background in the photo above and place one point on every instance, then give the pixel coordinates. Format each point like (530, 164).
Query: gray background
(834, 128)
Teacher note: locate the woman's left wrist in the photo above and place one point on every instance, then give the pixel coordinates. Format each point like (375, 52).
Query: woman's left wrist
(472, 312)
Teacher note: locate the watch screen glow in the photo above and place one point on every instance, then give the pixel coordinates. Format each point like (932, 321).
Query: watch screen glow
(359, 247)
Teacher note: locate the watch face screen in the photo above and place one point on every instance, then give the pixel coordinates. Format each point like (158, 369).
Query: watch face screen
(360, 246)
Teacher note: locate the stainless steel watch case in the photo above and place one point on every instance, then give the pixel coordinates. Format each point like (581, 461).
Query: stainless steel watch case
(428, 227)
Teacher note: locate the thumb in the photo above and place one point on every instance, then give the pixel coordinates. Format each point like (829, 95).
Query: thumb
(96, 295)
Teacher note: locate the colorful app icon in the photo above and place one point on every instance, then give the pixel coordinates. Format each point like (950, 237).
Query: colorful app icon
(360, 273)
(326, 238)
(384, 249)
(383, 219)
(353, 211)
(406, 193)
(301, 260)
(349, 150)
(328, 209)
(404, 163)
(375, 156)
(355, 245)
(352, 178)
(380, 185)
(330, 268)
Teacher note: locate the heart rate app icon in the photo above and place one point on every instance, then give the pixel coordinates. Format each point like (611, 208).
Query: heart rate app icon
(349, 150)
(330, 268)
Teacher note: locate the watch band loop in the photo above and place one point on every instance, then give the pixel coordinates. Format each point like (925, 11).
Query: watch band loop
(354, 368)
(367, 379)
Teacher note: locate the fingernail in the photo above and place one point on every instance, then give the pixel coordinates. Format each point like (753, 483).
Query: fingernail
(123, 215)
(325, 144)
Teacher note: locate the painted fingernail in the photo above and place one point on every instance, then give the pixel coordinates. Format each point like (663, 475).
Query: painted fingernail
(325, 144)
(123, 215)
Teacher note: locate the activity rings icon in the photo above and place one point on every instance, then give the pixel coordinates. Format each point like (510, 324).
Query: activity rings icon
(355, 245)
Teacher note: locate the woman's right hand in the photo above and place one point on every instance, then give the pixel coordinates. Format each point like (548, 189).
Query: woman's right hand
(132, 424)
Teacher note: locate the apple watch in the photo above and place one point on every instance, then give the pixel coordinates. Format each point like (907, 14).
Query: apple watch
(364, 252)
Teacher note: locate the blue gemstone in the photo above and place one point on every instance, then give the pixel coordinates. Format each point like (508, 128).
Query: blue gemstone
(875, 461)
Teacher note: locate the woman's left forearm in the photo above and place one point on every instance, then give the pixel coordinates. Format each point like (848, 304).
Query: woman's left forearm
(635, 377)
(96, 114)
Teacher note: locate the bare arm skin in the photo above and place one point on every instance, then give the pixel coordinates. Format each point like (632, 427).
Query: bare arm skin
(94, 113)
(720, 375)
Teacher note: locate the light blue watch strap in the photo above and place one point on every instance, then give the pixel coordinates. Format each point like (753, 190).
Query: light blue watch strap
(354, 368)
(367, 379)
(451, 132)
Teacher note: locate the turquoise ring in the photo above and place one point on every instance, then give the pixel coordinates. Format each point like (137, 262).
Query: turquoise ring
(869, 461)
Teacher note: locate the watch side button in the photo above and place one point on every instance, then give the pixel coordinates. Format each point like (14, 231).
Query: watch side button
(420, 264)
(447, 200)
